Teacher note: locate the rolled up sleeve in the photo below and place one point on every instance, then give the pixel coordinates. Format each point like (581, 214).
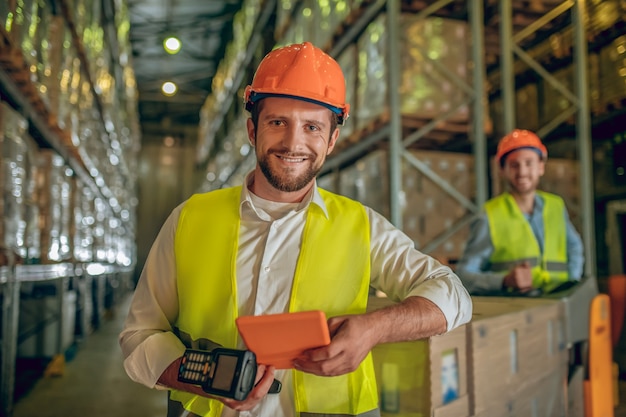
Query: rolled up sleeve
(148, 344)
(400, 270)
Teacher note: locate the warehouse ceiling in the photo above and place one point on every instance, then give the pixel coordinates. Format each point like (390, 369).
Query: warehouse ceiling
(204, 29)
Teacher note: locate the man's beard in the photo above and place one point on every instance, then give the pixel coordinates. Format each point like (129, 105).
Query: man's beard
(284, 182)
(528, 189)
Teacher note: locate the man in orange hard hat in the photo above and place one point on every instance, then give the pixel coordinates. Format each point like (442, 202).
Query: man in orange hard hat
(523, 240)
(279, 244)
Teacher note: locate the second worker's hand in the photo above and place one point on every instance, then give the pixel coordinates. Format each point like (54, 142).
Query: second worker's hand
(520, 278)
(350, 343)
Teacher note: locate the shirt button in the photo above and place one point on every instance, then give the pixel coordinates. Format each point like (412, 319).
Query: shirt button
(267, 269)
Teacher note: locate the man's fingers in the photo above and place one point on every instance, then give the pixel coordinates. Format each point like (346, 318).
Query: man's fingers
(259, 391)
(334, 324)
(267, 378)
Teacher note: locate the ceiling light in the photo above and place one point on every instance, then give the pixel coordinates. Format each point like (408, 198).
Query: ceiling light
(171, 45)
(169, 141)
(169, 88)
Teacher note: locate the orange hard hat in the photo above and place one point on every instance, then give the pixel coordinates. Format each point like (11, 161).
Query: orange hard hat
(519, 139)
(300, 71)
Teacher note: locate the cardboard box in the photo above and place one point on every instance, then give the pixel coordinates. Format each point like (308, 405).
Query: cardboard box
(424, 377)
(513, 344)
(546, 398)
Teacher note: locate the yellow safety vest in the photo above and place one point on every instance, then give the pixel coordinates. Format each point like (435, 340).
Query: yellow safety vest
(514, 241)
(332, 274)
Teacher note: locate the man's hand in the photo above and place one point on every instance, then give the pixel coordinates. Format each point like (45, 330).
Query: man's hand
(263, 382)
(351, 340)
(353, 336)
(519, 278)
(264, 379)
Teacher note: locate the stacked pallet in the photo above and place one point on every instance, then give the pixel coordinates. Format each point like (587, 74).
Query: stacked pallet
(428, 211)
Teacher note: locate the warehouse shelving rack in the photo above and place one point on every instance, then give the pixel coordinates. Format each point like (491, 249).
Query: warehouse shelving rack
(96, 281)
(509, 44)
(499, 26)
(393, 132)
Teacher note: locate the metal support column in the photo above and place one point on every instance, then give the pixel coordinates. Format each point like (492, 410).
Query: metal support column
(583, 137)
(62, 284)
(476, 16)
(395, 134)
(10, 316)
(507, 73)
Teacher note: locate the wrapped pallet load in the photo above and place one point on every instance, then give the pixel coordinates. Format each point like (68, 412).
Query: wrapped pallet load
(18, 167)
(430, 48)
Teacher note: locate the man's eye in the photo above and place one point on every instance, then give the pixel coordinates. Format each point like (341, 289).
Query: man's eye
(276, 122)
(313, 128)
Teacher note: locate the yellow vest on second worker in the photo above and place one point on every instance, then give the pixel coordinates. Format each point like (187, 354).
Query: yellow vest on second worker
(514, 241)
(332, 274)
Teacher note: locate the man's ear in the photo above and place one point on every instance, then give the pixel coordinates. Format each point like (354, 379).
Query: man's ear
(250, 128)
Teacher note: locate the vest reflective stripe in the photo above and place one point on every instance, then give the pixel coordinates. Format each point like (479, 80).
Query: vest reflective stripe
(514, 241)
(175, 409)
(507, 266)
(373, 413)
(334, 260)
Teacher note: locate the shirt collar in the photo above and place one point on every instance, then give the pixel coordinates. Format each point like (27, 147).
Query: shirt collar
(538, 206)
(313, 196)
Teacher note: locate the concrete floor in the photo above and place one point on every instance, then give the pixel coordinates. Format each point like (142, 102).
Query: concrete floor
(94, 382)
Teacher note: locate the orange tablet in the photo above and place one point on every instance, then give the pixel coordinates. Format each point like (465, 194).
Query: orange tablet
(278, 339)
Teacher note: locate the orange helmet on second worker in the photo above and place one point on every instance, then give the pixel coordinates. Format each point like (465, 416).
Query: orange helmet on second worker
(300, 71)
(519, 139)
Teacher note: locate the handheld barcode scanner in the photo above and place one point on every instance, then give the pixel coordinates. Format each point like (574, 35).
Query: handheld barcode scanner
(223, 372)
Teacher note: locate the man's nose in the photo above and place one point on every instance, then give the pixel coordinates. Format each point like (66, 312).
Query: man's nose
(293, 138)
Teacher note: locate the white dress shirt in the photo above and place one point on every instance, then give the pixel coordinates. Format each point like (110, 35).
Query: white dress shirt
(269, 243)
